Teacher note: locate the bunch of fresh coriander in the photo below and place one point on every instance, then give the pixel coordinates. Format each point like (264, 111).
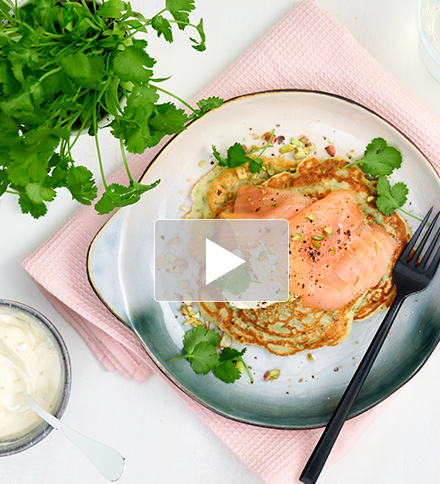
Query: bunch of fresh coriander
(64, 65)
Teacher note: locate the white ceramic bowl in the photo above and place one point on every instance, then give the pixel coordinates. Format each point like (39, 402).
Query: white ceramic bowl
(18, 443)
(428, 24)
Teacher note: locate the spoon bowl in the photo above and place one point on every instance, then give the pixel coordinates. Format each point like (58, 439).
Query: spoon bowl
(107, 460)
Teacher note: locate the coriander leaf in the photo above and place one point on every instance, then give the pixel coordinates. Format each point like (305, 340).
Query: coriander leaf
(168, 119)
(204, 357)
(111, 9)
(199, 45)
(227, 370)
(80, 183)
(390, 198)
(200, 334)
(21, 106)
(205, 105)
(379, 158)
(86, 71)
(237, 156)
(141, 95)
(39, 194)
(4, 181)
(116, 195)
(200, 346)
(255, 165)
(180, 10)
(37, 210)
(132, 64)
(105, 204)
(163, 27)
(221, 161)
(44, 138)
(7, 79)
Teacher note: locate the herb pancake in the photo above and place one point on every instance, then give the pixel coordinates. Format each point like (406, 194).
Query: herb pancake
(290, 327)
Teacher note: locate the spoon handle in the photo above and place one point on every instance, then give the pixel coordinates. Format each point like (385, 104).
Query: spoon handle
(108, 461)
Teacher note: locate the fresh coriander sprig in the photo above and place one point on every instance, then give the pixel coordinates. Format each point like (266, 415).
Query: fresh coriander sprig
(200, 347)
(65, 65)
(380, 160)
(237, 156)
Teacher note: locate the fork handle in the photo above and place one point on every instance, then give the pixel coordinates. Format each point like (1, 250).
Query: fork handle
(322, 450)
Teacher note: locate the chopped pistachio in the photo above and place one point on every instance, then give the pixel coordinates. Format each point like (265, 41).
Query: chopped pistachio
(202, 163)
(316, 244)
(318, 237)
(310, 356)
(185, 209)
(241, 173)
(184, 285)
(174, 242)
(328, 231)
(240, 366)
(295, 141)
(182, 263)
(287, 148)
(308, 149)
(270, 170)
(297, 237)
(189, 320)
(299, 154)
(160, 260)
(311, 217)
(170, 257)
(272, 374)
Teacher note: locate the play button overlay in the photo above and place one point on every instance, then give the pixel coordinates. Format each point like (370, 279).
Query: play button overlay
(221, 260)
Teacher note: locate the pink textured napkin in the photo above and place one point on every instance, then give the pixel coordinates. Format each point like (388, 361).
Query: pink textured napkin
(331, 61)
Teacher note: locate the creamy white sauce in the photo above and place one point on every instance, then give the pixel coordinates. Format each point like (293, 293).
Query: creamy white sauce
(29, 362)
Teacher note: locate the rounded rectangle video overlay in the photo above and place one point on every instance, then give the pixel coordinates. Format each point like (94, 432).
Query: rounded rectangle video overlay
(221, 260)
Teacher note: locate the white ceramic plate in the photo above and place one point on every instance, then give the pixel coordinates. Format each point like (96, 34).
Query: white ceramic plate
(120, 266)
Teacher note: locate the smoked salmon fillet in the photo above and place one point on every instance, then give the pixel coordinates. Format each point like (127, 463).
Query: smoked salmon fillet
(334, 256)
(255, 202)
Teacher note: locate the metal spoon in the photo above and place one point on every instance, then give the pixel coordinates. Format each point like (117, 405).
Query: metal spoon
(108, 461)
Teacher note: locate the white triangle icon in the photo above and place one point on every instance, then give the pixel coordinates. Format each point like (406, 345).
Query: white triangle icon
(219, 261)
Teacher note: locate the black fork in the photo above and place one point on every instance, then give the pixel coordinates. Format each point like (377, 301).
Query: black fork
(411, 275)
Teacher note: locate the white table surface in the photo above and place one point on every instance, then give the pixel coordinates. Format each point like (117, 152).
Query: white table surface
(162, 439)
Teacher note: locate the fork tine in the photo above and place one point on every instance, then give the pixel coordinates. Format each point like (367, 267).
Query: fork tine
(405, 254)
(432, 245)
(436, 259)
(420, 247)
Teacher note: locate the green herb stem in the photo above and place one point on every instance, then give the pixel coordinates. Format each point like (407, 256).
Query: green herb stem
(98, 151)
(411, 215)
(251, 378)
(175, 97)
(124, 158)
(50, 73)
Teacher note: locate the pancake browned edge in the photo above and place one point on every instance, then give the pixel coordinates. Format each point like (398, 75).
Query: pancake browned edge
(287, 328)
